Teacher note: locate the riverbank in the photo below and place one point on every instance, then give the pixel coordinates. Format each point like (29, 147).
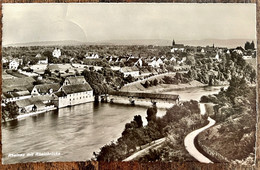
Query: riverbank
(19, 117)
(162, 87)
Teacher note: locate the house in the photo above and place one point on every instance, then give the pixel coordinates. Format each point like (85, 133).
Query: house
(74, 80)
(131, 61)
(133, 71)
(56, 53)
(70, 95)
(5, 60)
(177, 47)
(38, 55)
(217, 57)
(91, 56)
(140, 63)
(12, 96)
(240, 52)
(159, 62)
(35, 104)
(182, 60)
(155, 62)
(14, 64)
(45, 89)
(39, 68)
(43, 61)
(246, 57)
(17, 84)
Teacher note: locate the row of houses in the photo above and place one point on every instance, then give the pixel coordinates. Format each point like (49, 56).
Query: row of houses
(74, 90)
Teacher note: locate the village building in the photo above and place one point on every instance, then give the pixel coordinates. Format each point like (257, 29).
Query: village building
(33, 104)
(177, 47)
(39, 68)
(45, 89)
(155, 62)
(43, 61)
(38, 55)
(133, 71)
(12, 96)
(14, 64)
(75, 90)
(217, 57)
(17, 84)
(56, 53)
(5, 60)
(74, 80)
(91, 56)
(140, 63)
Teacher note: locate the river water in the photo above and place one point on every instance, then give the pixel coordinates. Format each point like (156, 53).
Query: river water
(74, 133)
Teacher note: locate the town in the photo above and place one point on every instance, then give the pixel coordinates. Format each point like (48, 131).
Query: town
(41, 78)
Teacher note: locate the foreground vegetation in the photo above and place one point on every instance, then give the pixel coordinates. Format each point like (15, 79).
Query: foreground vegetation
(175, 125)
(235, 112)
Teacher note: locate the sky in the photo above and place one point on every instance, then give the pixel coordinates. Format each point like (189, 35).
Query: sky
(95, 22)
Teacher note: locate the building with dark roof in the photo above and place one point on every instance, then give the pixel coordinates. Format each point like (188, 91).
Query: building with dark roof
(75, 90)
(72, 80)
(45, 89)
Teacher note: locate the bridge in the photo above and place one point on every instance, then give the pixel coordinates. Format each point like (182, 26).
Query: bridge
(132, 97)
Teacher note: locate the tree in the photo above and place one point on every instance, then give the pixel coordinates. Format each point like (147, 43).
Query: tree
(146, 84)
(10, 111)
(252, 45)
(155, 82)
(138, 120)
(151, 114)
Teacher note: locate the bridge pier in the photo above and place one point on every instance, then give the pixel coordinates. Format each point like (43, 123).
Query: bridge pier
(132, 101)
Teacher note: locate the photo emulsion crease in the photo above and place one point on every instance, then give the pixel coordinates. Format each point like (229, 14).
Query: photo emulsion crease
(129, 82)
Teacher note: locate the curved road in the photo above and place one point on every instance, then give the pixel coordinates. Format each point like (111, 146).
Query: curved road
(189, 143)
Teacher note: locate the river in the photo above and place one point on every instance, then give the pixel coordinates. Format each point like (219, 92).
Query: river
(74, 133)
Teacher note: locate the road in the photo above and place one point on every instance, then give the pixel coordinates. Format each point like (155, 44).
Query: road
(189, 143)
(145, 150)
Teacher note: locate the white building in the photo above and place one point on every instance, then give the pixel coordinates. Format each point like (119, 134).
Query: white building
(246, 57)
(156, 63)
(56, 53)
(93, 56)
(177, 47)
(139, 62)
(173, 59)
(75, 90)
(38, 55)
(14, 64)
(133, 71)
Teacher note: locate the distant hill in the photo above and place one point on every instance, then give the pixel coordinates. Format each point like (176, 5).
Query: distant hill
(230, 43)
(46, 43)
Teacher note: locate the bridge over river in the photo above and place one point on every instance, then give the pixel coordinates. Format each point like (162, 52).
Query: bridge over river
(134, 97)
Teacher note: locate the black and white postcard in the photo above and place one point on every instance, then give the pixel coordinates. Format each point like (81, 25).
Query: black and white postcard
(129, 82)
